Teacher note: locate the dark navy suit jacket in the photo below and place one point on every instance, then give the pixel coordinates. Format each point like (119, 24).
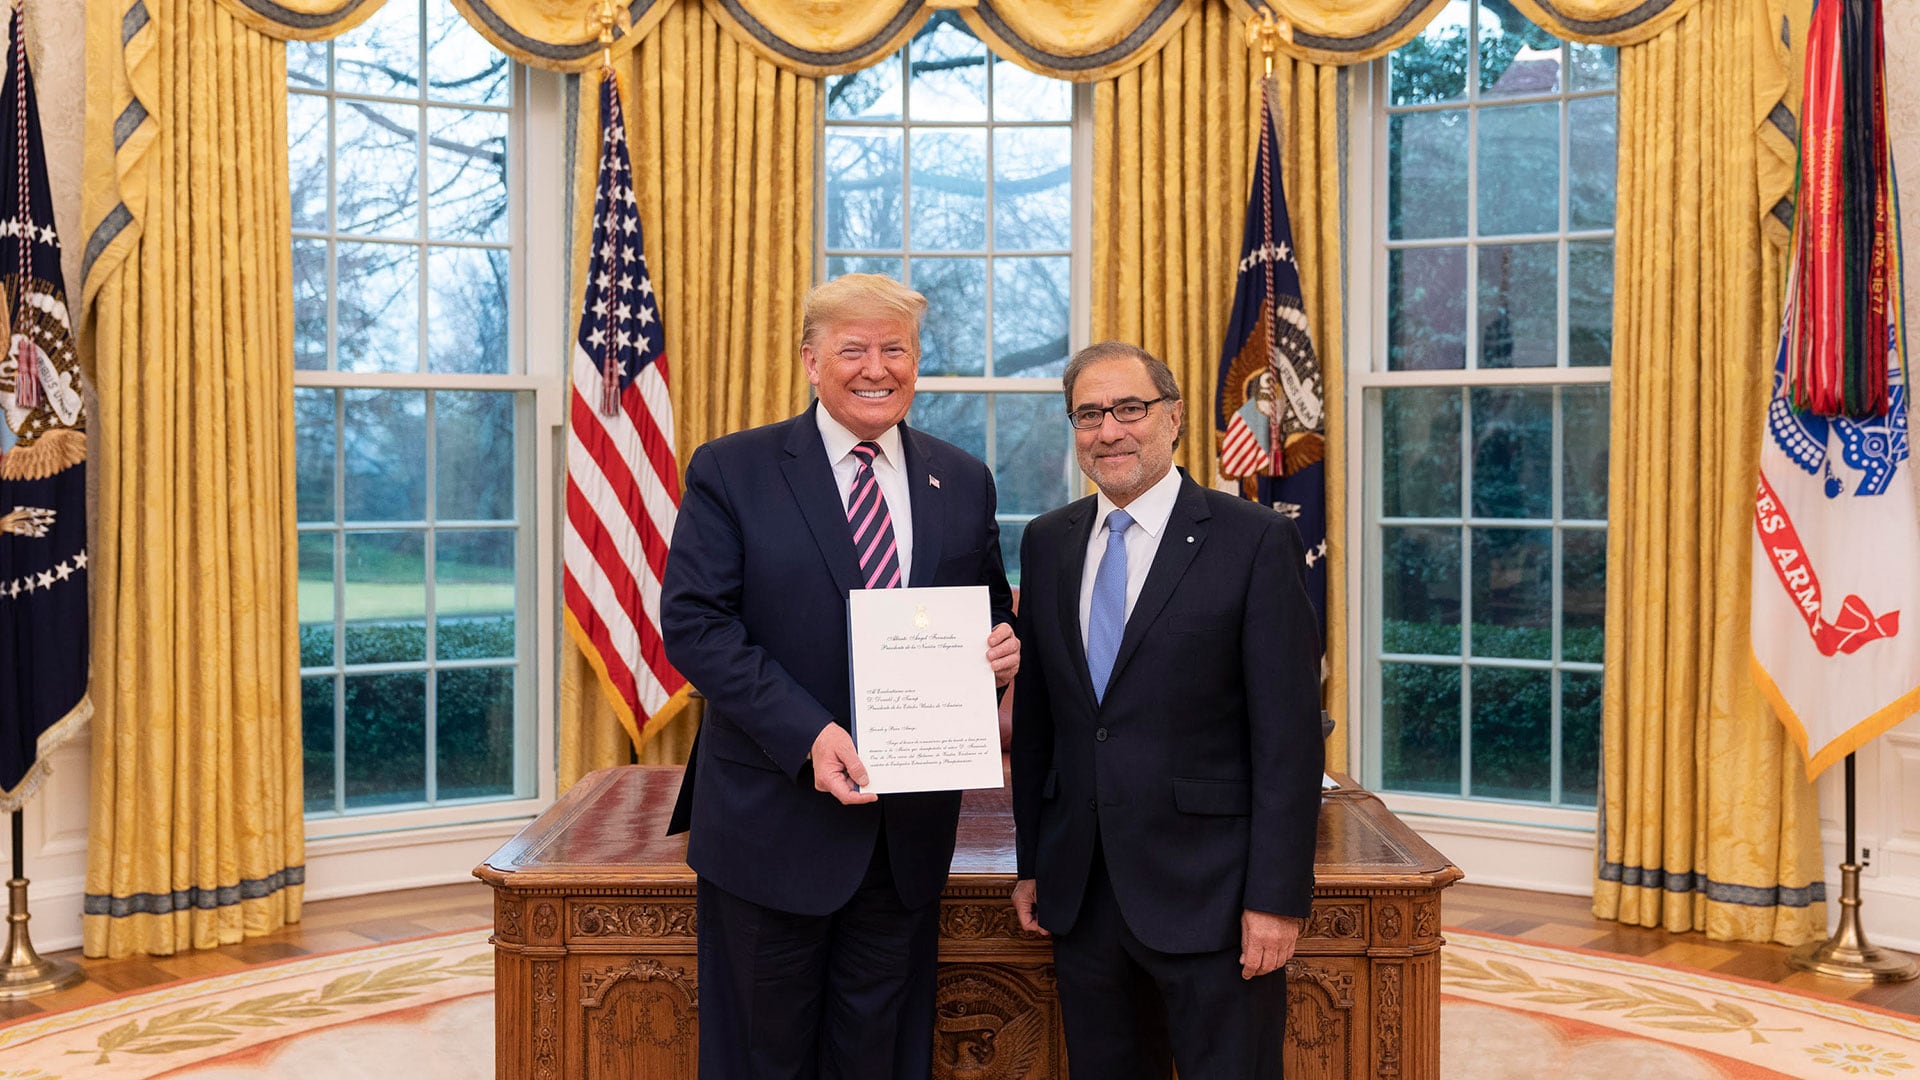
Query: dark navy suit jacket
(754, 612)
(1201, 769)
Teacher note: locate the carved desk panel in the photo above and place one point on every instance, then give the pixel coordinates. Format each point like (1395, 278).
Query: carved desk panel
(594, 946)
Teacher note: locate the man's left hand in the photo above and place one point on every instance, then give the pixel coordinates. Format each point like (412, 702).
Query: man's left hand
(1003, 652)
(1266, 942)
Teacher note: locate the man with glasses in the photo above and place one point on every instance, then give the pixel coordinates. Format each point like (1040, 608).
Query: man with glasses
(1166, 746)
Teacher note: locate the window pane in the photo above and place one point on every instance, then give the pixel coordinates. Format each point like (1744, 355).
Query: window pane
(309, 305)
(1583, 594)
(863, 264)
(1512, 431)
(386, 738)
(1513, 593)
(1519, 169)
(949, 180)
(1011, 533)
(473, 594)
(377, 306)
(1516, 57)
(1420, 591)
(385, 438)
(1030, 452)
(1512, 734)
(473, 733)
(1420, 460)
(1420, 728)
(1590, 303)
(1427, 309)
(382, 55)
(1579, 738)
(385, 586)
(1032, 188)
(307, 148)
(473, 455)
(461, 66)
(1592, 143)
(467, 175)
(1032, 300)
(306, 65)
(953, 335)
(1426, 174)
(949, 72)
(1433, 66)
(871, 93)
(315, 598)
(1584, 476)
(468, 297)
(313, 446)
(1595, 67)
(1519, 305)
(863, 188)
(1019, 94)
(316, 741)
(377, 190)
(961, 419)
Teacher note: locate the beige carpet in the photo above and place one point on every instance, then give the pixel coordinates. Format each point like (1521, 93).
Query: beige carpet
(423, 1010)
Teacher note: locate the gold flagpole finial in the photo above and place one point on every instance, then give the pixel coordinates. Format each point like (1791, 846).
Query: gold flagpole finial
(1265, 32)
(606, 16)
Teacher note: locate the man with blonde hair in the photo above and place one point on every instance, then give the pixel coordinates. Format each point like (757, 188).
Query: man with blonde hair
(817, 900)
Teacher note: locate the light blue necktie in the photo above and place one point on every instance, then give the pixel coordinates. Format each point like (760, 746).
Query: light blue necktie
(1107, 617)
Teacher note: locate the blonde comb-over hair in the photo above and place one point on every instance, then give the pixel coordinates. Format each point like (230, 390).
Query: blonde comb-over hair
(859, 296)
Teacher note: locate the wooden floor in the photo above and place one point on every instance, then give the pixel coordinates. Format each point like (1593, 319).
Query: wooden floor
(331, 925)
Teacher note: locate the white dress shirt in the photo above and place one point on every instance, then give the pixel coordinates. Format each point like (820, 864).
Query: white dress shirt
(1149, 512)
(889, 468)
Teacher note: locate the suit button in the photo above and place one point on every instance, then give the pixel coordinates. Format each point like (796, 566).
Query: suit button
(1101, 735)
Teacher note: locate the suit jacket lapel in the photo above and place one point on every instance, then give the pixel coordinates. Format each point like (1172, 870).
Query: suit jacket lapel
(810, 476)
(1073, 563)
(1170, 563)
(927, 505)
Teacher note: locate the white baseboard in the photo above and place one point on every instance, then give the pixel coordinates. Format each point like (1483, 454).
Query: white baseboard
(1512, 856)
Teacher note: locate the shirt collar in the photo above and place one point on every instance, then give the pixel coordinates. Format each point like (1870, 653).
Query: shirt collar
(1151, 510)
(840, 442)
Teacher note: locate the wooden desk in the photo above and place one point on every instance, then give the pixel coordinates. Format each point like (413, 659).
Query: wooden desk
(594, 946)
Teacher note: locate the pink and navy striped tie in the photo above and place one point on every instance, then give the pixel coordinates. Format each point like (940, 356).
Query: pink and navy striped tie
(872, 524)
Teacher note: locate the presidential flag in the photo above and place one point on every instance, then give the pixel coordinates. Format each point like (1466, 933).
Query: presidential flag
(1836, 542)
(1269, 403)
(43, 470)
(623, 483)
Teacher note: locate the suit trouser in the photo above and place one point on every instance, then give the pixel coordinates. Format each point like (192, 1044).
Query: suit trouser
(845, 996)
(1132, 1012)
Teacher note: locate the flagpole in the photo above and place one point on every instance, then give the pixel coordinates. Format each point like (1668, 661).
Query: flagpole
(25, 972)
(1846, 954)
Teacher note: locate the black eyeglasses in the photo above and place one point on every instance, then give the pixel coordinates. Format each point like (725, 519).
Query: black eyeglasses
(1088, 417)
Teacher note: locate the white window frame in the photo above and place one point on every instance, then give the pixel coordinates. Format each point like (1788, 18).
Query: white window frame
(375, 849)
(1497, 841)
(1079, 253)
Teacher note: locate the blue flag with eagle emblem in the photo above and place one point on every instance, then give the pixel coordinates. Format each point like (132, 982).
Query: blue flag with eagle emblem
(43, 472)
(1269, 403)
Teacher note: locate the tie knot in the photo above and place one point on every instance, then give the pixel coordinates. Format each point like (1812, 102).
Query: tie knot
(1118, 522)
(866, 451)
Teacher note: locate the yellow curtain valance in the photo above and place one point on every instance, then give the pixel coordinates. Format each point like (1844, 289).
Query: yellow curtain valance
(302, 20)
(1354, 31)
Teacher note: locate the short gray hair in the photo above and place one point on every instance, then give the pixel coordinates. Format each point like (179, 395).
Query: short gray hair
(1164, 384)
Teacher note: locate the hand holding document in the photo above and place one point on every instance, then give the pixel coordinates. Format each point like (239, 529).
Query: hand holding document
(925, 717)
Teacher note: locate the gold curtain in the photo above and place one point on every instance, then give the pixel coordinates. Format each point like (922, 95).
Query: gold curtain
(1353, 31)
(1708, 822)
(1173, 148)
(302, 20)
(723, 144)
(197, 835)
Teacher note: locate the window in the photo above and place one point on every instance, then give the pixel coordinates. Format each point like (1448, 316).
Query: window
(413, 416)
(1485, 397)
(953, 170)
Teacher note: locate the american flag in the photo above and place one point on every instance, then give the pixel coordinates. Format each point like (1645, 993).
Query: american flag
(1269, 403)
(623, 483)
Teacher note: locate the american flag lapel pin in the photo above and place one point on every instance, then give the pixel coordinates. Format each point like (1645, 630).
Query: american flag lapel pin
(933, 480)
